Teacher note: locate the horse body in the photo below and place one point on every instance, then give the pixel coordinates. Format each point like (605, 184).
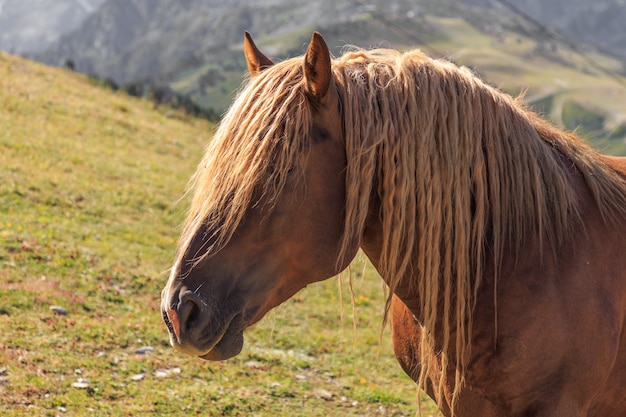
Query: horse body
(500, 237)
(560, 347)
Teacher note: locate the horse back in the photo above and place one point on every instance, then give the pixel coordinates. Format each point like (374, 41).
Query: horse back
(617, 163)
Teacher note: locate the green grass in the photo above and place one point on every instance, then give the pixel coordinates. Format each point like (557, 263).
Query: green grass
(90, 189)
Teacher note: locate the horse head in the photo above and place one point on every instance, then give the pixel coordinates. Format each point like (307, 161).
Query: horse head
(268, 212)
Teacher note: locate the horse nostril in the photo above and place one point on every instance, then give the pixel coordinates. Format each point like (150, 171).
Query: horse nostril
(194, 312)
(189, 310)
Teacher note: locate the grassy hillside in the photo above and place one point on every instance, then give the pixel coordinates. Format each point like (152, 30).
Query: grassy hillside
(90, 183)
(552, 79)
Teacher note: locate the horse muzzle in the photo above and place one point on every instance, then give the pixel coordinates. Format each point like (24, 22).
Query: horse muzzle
(198, 329)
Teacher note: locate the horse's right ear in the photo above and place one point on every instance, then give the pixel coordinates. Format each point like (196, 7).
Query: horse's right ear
(317, 71)
(255, 59)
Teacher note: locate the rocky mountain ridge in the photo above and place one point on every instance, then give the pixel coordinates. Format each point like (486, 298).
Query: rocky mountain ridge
(135, 40)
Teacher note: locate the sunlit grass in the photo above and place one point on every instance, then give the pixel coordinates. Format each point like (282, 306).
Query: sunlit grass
(90, 189)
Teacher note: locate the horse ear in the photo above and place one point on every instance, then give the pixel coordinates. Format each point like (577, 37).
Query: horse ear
(255, 59)
(317, 71)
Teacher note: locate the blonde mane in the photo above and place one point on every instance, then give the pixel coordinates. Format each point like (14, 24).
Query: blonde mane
(460, 170)
(258, 142)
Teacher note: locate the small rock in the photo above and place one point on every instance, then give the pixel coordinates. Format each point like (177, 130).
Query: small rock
(323, 394)
(163, 373)
(254, 364)
(301, 377)
(81, 384)
(137, 377)
(62, 409)
(144, 350)
(58, 310)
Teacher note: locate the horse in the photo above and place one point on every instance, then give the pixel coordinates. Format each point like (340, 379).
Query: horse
(500, 236)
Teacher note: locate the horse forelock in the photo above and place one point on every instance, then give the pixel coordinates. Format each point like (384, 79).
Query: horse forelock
(460, 169)
(255, 147)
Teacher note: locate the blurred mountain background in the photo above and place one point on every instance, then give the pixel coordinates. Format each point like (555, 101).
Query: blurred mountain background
(568, 56)
(28, 26)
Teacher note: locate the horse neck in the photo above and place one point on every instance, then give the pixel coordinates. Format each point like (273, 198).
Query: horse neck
(372, 246)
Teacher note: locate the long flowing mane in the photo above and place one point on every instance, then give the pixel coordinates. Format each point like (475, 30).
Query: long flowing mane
(460, 169)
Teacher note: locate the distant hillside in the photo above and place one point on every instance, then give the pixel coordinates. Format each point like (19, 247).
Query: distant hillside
(91, 183)
(599, 23)
(76, 156)
(562, 85)
(29, 26)
(194, 47)
(137, 40)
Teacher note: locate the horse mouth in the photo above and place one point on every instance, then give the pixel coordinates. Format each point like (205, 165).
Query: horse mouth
(209, 342)
(230, 345)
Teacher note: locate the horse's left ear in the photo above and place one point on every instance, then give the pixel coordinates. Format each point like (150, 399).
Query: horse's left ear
(255, 59)
(317, 72)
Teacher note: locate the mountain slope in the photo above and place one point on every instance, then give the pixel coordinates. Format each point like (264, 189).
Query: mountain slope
(67, 145)
(90, 189)
(194, 47)
(137, 40)
(599, 23)
(30, 26)
(563, 84)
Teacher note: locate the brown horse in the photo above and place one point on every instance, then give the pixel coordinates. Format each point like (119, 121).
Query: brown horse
(502, 238)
